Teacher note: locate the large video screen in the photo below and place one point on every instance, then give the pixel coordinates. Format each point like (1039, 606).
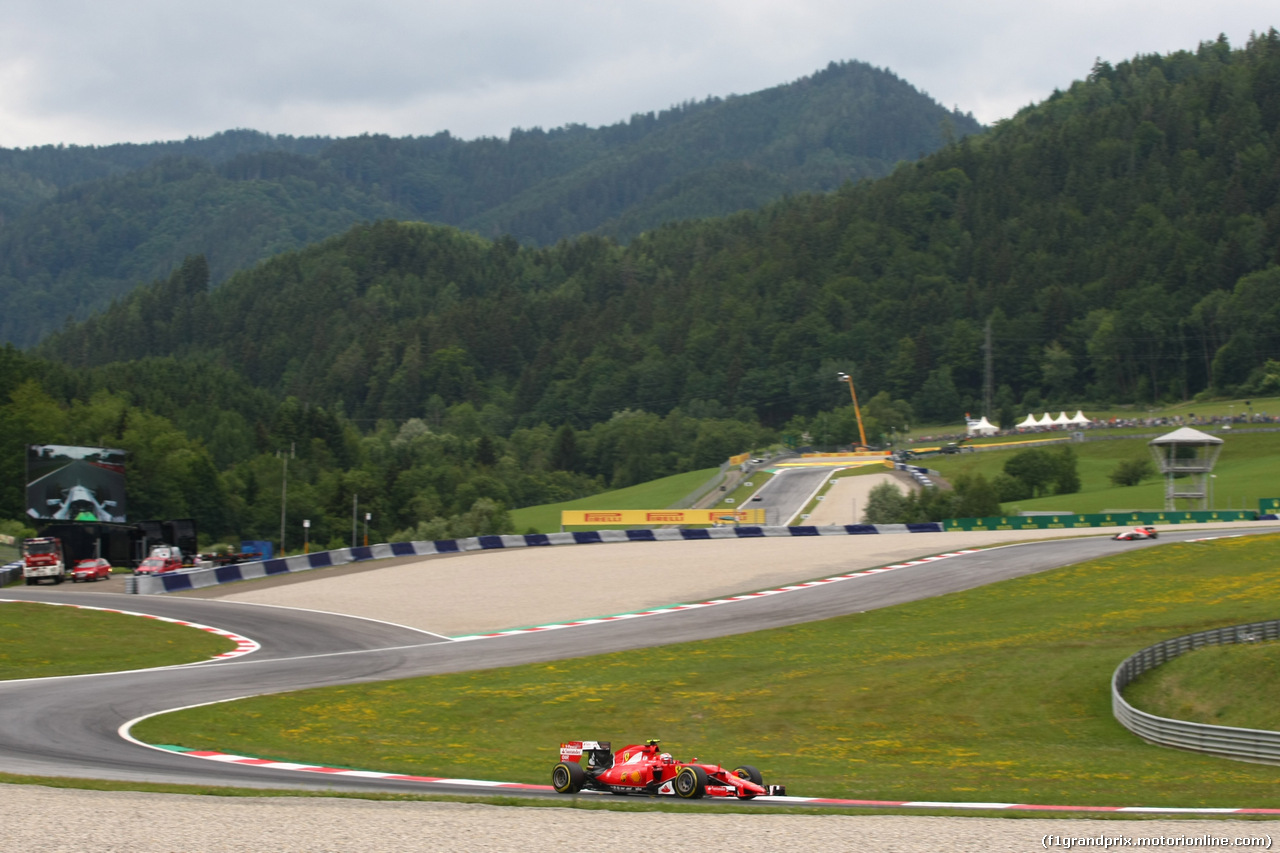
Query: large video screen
(75, 483)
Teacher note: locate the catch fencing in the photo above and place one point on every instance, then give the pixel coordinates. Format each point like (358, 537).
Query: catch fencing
(1257, 745)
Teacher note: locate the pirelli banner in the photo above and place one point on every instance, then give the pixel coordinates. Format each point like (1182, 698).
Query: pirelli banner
(648, 517)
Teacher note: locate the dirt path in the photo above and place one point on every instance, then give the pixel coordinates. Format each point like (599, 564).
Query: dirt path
(846, 500)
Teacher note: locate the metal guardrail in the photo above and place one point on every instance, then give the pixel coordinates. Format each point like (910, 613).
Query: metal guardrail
(10, 573)
(1257, 745)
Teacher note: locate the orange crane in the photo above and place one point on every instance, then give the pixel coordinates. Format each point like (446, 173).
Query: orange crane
(844, 377)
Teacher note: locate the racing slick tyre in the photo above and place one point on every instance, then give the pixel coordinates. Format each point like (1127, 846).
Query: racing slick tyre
(691, 782)
(567, 777)
(751, 774)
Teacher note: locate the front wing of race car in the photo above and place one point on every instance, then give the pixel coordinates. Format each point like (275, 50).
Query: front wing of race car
(717, 782)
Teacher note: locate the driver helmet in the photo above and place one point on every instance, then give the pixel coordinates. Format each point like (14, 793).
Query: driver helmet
(666, 757)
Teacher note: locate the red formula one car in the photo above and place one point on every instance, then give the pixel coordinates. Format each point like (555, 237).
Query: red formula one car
(644, 770)
(1147, 532)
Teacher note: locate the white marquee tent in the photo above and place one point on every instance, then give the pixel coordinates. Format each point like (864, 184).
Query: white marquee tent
(982, 427)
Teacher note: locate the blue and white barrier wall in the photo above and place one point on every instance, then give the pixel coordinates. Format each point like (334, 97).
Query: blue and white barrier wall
(200, 578)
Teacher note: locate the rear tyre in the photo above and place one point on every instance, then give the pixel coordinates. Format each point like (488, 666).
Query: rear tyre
(691, 782)
(567, 777)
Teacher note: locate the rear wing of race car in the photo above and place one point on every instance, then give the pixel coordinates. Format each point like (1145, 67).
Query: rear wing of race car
(574, 749)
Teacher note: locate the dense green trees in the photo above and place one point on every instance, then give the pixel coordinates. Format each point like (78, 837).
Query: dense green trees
(971, 496)
(203, 444)
(81, 226)
(1112, 239)
(1120, 241)
(1038, 472)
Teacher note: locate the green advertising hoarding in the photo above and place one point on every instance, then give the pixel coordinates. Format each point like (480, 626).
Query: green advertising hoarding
(1109, 519)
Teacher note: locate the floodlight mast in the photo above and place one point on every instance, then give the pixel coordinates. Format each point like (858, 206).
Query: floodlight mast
(862, 433)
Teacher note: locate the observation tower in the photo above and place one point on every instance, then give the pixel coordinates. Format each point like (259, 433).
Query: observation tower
(1186, 457)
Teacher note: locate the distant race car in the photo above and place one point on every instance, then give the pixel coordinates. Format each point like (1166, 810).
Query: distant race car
(644, 769)
(91, 570)
(1146, 532)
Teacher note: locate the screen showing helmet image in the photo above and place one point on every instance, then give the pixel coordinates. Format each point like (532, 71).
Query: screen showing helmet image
(68, 483)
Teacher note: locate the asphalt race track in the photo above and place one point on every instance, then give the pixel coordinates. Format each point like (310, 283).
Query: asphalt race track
(787, 493)
(68, 726)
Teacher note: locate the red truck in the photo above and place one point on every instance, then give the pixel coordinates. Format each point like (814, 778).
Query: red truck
(42, 558)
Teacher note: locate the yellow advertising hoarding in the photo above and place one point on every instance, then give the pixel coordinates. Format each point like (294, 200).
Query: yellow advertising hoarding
(739, 459)
(593, 517)
(854, 454)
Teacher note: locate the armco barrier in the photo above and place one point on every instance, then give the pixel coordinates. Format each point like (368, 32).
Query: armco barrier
(200, 578)
(1242, 744)
(10, 572)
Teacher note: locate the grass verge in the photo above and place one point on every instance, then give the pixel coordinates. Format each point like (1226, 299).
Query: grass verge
(42, 640)
(657, 494)
(996, 694)
(1247, 470)
(1218, 685)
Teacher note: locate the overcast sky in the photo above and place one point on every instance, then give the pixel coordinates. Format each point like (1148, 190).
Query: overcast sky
(95, 72)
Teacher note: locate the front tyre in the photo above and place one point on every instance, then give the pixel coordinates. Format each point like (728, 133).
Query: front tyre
(567, 777)
(751, 774)
(691, 782)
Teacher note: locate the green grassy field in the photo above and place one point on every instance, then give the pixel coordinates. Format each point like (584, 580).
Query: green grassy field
(41, 640)
(1219, 685)
(1247, 470)
(996, 694)
(658, 494)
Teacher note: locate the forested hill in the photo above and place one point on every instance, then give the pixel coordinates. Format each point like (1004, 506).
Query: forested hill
(80, 226)
(1121, 239)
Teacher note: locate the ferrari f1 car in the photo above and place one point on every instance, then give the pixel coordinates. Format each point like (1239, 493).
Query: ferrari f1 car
(1146, 532)
(644, 769)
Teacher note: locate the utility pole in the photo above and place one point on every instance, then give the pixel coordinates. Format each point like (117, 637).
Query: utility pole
(355, 503)
(284, 491)
(988, 380)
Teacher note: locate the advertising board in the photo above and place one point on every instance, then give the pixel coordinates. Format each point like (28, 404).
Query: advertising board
(648, 517)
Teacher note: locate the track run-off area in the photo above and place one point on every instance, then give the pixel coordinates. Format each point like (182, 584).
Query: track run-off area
(78, 726)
